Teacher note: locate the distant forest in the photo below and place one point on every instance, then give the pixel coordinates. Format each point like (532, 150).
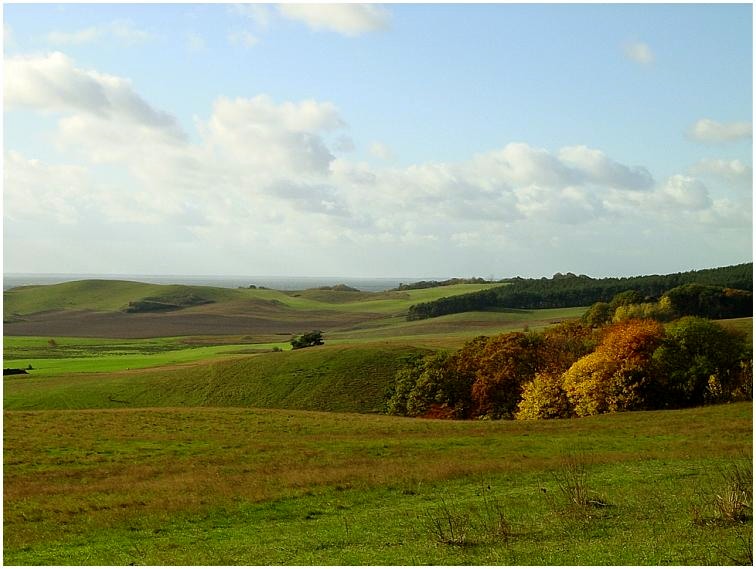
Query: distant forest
(567, 290)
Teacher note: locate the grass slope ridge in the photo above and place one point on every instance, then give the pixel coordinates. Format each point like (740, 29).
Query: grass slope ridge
(114, 295)
(324, 378)
(103, 295)
(99, 308)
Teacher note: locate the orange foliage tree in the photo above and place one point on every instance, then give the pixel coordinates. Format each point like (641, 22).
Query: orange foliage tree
(506, 362)
(619, 375)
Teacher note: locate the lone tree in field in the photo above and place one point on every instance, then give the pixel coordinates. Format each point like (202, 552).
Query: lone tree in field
(314, 338)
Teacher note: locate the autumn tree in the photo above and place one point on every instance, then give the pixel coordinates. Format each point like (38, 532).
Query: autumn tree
(544, 398)
(618, 375)
(506, 363)
(563, 345)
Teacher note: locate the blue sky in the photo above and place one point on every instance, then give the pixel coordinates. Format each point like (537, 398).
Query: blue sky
(377, 140)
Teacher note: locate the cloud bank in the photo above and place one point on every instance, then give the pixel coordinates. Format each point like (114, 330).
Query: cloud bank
(264, 177)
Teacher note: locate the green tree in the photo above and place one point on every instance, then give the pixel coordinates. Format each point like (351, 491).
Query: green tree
(439, 386)
(405, 381)
(314, 338)
(699, 362)
(598, 314)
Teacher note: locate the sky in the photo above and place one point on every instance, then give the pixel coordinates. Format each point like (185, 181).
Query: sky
(371, 140)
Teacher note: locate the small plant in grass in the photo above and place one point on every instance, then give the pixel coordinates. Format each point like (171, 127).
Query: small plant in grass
(734, 502)
(573, 488)
(448, 526)
(731, 502)
(493, 520)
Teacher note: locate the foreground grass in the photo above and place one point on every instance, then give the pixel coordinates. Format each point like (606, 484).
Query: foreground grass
(241, 486)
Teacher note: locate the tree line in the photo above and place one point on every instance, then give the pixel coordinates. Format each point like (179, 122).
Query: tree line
(575, 369)
(566, 290)
(433, 284)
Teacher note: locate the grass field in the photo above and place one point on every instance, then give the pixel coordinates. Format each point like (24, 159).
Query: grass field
(241, 486)
(107, 295)
(71, 355)
(97, 308)
(328, 378)
(184, 439)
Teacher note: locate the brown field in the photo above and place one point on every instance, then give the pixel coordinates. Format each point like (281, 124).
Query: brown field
(91, 324)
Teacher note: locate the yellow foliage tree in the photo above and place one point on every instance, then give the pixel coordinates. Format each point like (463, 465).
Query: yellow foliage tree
(618, 375)
(544, 398)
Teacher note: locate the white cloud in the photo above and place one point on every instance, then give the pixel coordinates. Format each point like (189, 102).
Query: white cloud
(599, 169)
(708, 130)
(347, 19)
(53, 83)
(732, 172)
(261, 14)
(684, 193)
(121, 30)
(381, 150)
(520, 164)
(243, 38)
(273, 137)
(51, 193)
(195, 42)
(639, 52)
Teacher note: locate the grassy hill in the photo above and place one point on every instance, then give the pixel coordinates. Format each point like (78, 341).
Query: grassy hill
(122, 309)
(326, 378)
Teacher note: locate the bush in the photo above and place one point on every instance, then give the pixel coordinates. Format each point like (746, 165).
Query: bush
(314, 338)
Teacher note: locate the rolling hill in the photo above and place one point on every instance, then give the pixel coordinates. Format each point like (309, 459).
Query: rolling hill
(124, 309)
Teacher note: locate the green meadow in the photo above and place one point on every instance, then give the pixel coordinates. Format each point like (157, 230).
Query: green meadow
(247, 486)
(70, 355)
(212, 448)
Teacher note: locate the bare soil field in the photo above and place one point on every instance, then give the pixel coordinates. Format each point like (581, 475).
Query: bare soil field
(91, 324)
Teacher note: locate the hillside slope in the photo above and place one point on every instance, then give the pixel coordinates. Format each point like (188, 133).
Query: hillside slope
(123, 309)
(323, 378)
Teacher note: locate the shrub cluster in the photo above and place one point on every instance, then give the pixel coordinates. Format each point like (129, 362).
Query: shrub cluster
(574, 369)
(307, 340)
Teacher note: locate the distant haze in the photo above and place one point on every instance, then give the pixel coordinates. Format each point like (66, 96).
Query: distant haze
(276, 283)
(377, 140)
